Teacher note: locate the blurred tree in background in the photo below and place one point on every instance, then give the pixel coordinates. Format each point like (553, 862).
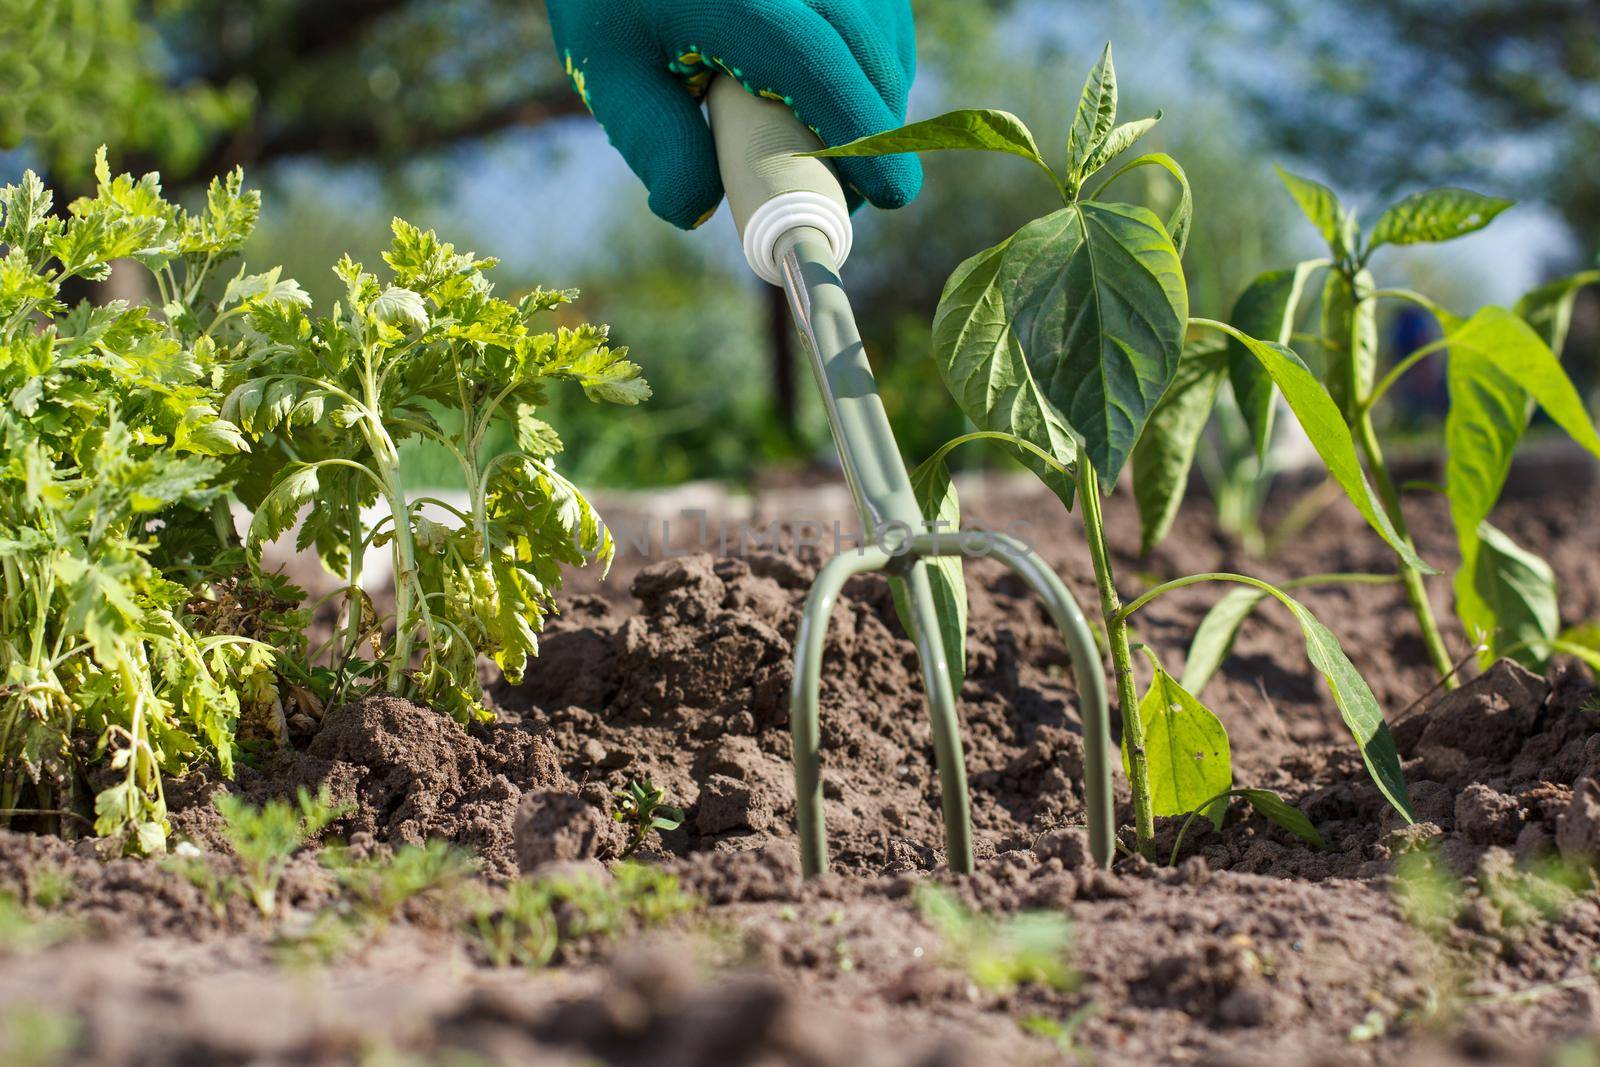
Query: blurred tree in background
(456, 114)
(1408, 92)
(78, 73)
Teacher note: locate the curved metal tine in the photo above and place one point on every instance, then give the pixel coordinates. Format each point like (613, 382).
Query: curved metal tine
(946, 726)
(1088, 668)
(804, 727)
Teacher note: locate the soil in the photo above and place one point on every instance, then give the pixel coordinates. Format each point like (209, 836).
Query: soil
(1470, 936)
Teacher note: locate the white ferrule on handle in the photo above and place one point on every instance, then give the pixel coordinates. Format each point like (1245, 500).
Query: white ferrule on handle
(772, 191)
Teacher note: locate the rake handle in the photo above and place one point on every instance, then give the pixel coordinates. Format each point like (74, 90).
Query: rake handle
(772, 191)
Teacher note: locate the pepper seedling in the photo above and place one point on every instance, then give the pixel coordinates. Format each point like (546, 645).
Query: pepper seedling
(1501, 363)
(1064, 341)
(642, 807)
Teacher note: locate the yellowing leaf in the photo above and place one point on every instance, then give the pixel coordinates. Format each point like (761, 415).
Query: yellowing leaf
(1186, 748)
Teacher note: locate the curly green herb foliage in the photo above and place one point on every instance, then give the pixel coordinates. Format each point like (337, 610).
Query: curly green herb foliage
(430, 352)
(114, 465)
(1068, 342)
(1501, 363)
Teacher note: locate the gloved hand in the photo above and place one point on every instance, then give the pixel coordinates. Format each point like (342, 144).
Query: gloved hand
(843, 66)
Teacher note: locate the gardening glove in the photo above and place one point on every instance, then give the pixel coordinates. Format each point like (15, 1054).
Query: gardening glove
(641, 67)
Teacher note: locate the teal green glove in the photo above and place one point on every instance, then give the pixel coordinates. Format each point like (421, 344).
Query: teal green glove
(641, 66)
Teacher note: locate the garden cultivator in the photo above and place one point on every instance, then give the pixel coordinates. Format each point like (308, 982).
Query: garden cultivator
(795, 228)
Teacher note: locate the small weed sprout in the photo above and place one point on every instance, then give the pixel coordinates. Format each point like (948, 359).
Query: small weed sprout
(999, 955)
(264, 838)
(22, 932)
(642, 807)
(531, 921)
(381, 886)
(50, 887)
(518, 927)
(1064, 1032)
(32, 1036)
(326, 937)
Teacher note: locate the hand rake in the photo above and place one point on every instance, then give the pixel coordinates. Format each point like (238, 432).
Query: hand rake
(795, 227)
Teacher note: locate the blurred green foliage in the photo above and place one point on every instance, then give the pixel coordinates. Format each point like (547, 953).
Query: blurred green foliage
(75, 74)
(350, 113)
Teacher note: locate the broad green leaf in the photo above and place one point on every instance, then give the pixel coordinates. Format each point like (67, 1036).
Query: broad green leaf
(1581, 641)
(1186, 748)
(1096, 113)
(1329, 435)
(1182, 217)
(1165, 452)
(1435, 215)
(1072, 326)
(1357, 706)
(1504, 339)
(972, 129)
(397, 306)
(1119, 141)
(1497, 363)
(1548, 309)
(1320, 205)
(1264, 309)
(1508, 595)
(1275, 809)
(936, 497)
(1213, 638)
(1351, 331)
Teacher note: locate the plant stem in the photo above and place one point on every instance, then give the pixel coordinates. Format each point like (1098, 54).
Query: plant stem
(1361, 397)
(1144, 826)
(1416, 586)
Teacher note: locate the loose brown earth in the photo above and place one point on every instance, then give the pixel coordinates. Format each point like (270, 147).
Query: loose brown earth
(1255, 949)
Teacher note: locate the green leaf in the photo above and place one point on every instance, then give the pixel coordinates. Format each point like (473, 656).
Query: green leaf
(1073, 325)
(1351, 332)
(971, 129)
(1165, 452)
(1213, 638)
(397, 306)
(1186, 747)
(1274, 809)
(1119, 141)
(605, 373)
(1321, 206)
(1096, 113)
(1504, 339)
(1265, 309)
(1581, 641)
(264, 288)
(279, 510)
(936, 497)
(1498, 363)
(1508, 595)
(1548, 309)
(1435, 215)
(1357, 706)
(1182, 217)
(1329, 435)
